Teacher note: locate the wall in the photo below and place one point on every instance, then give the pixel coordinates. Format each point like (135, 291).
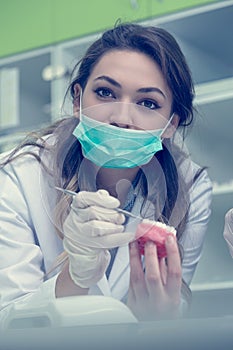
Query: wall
(28, 24)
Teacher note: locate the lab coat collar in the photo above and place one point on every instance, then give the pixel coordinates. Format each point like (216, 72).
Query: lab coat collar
(118, 283)
(119, 276)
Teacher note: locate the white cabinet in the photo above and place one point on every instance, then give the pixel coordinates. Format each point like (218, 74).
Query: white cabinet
(211, 144)
(206, 39)
(64, 57)
(205, 35)
(25, 96)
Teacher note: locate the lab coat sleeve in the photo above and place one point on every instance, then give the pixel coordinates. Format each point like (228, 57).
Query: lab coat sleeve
(35, 300)
(21, 259)
(194, 234)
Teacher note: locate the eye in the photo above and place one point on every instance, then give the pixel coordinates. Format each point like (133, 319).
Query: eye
(149, 104)
(104, 92)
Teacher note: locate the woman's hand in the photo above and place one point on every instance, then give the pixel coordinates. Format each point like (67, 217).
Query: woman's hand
(92, 227)
(155, 293)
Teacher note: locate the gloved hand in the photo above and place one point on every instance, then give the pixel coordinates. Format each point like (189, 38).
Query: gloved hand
(91, 228)
(228, 230)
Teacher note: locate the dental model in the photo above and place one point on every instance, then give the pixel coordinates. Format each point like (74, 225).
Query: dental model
(155, 231)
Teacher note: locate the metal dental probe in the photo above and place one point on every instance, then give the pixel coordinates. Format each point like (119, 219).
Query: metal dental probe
(119, 210)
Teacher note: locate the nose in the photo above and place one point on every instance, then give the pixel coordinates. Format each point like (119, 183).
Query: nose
(122, 115)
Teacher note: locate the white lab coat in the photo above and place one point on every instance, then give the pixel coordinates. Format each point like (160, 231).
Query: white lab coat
(29, 243)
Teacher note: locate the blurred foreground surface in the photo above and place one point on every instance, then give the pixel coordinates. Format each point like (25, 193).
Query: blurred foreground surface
(192, 334)
(208, 326)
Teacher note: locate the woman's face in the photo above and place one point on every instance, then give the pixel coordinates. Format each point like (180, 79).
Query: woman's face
(136, 83)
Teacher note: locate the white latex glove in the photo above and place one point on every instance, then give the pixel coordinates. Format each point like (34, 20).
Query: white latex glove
(228, 230)
(91, 228)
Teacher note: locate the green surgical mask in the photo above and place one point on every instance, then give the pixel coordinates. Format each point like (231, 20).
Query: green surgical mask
(110, 146)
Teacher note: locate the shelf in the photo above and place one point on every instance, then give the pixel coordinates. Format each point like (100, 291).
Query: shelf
(211, 286)
(223, 188)
(210, 139)
(215, 268)
(214, 91)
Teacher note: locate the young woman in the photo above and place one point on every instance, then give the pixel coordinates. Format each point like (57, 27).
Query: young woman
(131, 93)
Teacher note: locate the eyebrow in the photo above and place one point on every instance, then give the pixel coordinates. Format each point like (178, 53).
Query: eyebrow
(152, 89)
(143, 89)
(108, 79)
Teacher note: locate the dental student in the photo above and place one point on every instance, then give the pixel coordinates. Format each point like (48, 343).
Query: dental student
(132, 92)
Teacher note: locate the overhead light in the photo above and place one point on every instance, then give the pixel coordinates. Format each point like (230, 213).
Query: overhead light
(50, 72)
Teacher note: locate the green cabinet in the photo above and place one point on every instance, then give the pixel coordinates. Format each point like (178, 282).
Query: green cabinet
(30, 24)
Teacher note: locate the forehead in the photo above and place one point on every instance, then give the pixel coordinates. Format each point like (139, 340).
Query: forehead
(125, 64)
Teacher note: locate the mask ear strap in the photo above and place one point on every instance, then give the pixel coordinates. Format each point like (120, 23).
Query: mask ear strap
(80, 104)
(167, 124)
